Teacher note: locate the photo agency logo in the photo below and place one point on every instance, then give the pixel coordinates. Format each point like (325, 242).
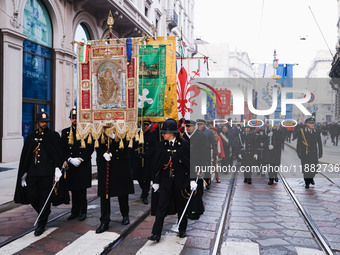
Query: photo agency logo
(253, 102)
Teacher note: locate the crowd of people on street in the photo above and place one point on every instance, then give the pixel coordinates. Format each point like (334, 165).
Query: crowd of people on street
(164, 161)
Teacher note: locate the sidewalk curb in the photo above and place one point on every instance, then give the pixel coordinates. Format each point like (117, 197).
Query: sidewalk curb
(11, 204)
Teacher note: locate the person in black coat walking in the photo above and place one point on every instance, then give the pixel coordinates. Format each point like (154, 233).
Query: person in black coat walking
(309, 150)
(172, 178)
(247, 153)
(143, 158)
(114, 179)
(80, 168)
(39, 168)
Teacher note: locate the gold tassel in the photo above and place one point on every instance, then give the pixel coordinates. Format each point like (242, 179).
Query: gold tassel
(96, 144)
(141, 137)
(83, 145)
(89, 139)
(121, 144)
(77, 135)
(102, 139)
(137, 137)
(70, 137)
(131, 143)
(64, 173)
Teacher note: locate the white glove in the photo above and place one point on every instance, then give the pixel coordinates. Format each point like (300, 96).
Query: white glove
(270, 134)
(270, 147)
(57, 174)
(23, 180)
(193, 185)
(112, 136)
(255, 156)
(155, 187)
(107, 156)
(240, 156)
(74, 161)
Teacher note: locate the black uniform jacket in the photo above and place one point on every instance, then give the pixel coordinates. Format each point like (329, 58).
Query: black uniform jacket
(248, 148)
(120, 176)
(49, 156)
(179, 178)
(151, 139)
(311, 152)
(78, 177)
(273, 156)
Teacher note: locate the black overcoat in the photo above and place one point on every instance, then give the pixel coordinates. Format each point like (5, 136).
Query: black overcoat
(273, 156)
(78, 177)
(120, 176)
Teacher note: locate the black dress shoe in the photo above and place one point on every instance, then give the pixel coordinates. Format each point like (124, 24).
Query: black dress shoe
(312, 182)
(182, 234)
(155, 238)
(126, 220)
(271, 181)
(82, 217)
(103, 227)
(39, 230)
(72, 217)
(145, 201)
(307, 186)
(249, 181)
(277, 179)
(245, 180)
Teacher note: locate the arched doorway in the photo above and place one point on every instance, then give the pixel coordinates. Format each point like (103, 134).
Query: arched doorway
(37, 64)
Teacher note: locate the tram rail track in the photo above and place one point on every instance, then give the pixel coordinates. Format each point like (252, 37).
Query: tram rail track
(311, 226)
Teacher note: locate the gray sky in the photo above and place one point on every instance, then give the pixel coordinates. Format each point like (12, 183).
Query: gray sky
(238, 23)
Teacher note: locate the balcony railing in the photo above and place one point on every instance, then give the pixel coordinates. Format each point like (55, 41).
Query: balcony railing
(172, 19)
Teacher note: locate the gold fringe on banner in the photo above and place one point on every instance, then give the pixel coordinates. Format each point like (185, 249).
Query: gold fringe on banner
(137, 137)
(121, 144)
(141, 137)
(70, 137)
(89, 139)
(131, 143)
(96, 143)
(83, 145)
(102, 139)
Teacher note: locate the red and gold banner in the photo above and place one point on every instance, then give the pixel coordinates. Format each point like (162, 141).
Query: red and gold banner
(107, 85)
(224, 107)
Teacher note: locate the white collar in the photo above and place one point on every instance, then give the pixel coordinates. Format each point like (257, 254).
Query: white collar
(173, 141)
(190, 135)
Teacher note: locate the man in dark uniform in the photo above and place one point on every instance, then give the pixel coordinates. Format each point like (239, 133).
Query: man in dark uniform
(143, 163)
(273, 153)
(172, 178)
(233, 133)
(247, 152)
(309, 150)
(40, 163)
(261, 147)
(199, 158)
(114, 179)
(212, 145)
(80, 169)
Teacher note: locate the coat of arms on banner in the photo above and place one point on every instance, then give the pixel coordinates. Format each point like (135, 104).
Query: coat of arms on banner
(107, 90)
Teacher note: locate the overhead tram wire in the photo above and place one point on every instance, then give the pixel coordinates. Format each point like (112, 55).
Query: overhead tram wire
(320, 31)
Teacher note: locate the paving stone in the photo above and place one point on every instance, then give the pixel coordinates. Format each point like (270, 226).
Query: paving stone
(198, 242)
(296, 233)
(301, 242)
(201, 233)
(242, 226)
(269, 226)
(242, 233)
(191, 251)
(272, 242)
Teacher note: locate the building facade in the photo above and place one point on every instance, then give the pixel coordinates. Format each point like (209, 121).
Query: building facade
(37, 57)
(323, 105)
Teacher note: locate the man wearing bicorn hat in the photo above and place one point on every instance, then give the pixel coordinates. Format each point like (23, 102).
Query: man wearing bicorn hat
(309, 150)
(39, 168)
(79, 174)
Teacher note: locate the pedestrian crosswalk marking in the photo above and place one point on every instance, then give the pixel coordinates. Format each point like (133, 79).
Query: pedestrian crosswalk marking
(308, 251)
(240, 248)
(89, 243)
(24, 241)
(168, 245)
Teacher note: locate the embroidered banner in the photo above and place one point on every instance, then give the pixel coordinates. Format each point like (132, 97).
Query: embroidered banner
(152, 80)
(169, 92)
(223, 108)
(107, 85)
